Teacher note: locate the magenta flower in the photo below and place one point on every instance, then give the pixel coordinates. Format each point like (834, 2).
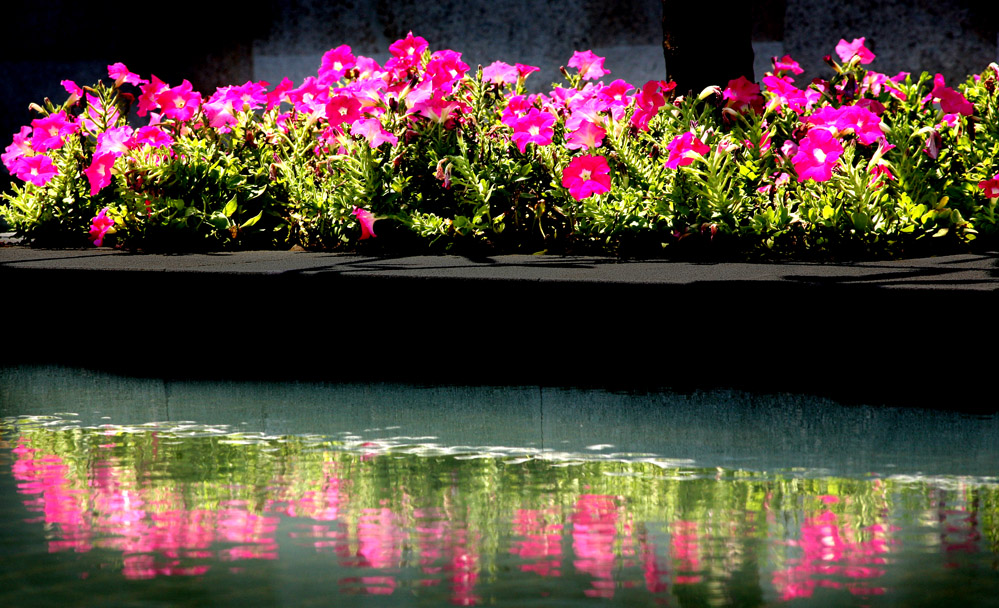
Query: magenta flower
(587, 136)
(500, 73)
(99, 172)
(114, 141)
(684, 149)
(444, 69)
(786, 64)
(849, 119)
(990, 186)
(99, 227)
(849, 50)
(153, 136)
(367, 221)
(180, 102)
(74, 90)
(120, 74)
(741, 94)
(21, 146)
(534, 128)
(817, 155)
(371, 129)
(343, 109)
(147, 100)
(950, 100)
(589, 65)
(50, 132)
(785, 94)
(335, 64)
(586, 175)
(37, 170)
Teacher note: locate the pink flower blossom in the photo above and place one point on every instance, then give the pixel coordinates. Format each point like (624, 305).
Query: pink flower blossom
(684, 149)
(786, 64)
(534, 128)
(180, 102)
(849, 119)
(648, 101)
(152, 135)
(99, 227)
(990, 186)
(21, 146)
(343, 108)
(950, 100)
(75, 92)
(445, 68)
(589, 65)
(50, 132)
(615, 97)
(120, 74)
(114, 141)
(817, 155)
(741, 94)
(849, 50)
(371, 129)
(99, 172)
(367, 221)
(147, 100)
(279, 94)
(587, 137)
(586, 175)
(335, 64)
(784, 94)
(37, 170)
(500, 73)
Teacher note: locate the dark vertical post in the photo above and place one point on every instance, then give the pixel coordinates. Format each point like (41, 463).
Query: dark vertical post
(707, 43)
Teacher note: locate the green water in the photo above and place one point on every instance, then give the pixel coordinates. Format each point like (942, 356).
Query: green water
(185, 512)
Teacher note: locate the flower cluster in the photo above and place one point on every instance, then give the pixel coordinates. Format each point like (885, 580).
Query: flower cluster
(460, 156)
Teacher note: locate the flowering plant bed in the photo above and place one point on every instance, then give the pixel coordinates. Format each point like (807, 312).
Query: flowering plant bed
(446, 158)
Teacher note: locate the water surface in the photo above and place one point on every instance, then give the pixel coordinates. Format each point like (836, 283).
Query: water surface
(153, 492)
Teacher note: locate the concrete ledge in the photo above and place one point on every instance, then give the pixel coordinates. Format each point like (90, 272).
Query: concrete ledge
(892, 331)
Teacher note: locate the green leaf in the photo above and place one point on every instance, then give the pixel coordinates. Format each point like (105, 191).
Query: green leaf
(253, 220)
(230, 207)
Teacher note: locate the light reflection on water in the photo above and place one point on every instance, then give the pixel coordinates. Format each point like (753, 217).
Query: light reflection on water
(383, 512)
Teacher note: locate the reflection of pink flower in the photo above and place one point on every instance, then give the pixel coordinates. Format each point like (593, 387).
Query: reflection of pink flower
(594, 531)
(542, 542)
(683, 150)
(367, 221)
(586, 175)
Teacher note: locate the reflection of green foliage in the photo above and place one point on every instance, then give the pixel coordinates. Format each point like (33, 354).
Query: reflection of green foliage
(736, 513)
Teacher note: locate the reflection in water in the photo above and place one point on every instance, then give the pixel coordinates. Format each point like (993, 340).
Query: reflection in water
(406, 517)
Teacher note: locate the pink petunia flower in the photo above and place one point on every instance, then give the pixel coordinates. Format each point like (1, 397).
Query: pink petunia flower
(99, 172)
(990, 186)
(74, 90)
(50, 132)
(500, 73)
(153, 136)
(37, 170)
(335, 64)
(817, 155)
(117, 141)
(587, 137)
(849, 50)
(684, 149)
(849, 119)
(586, 175)
(589, 65)
(951, 101)
(741, 94)
(367, 221)
(99, 227)
(120, 74)
(21, 146)
(786, 64)
(534, 128)
(180, 102)
(785, 94)
(371, 129)
(147, 99)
